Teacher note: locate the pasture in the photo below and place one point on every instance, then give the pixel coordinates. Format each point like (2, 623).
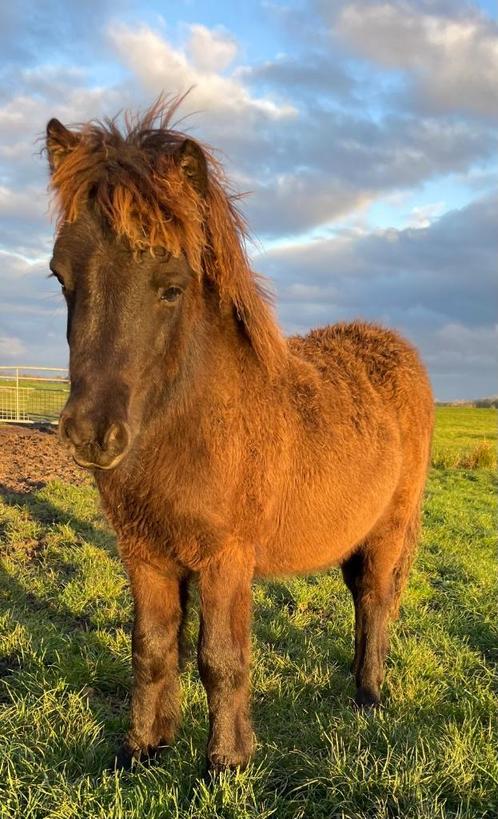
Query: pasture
(65, 616)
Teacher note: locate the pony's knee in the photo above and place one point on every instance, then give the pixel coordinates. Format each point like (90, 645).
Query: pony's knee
(225, 667)
(152, 650)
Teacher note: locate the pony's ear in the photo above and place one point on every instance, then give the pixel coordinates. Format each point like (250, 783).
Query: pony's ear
(194, 166)
(60, 141)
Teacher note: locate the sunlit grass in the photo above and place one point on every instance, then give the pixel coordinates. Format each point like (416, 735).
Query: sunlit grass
(460, 427)
(65, 616)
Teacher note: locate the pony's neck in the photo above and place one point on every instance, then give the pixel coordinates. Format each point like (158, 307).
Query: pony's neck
(227, 356)
(220, 361)
(244, 295)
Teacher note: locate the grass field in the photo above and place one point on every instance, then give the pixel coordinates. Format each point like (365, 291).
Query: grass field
(465, 437)
(65, 616)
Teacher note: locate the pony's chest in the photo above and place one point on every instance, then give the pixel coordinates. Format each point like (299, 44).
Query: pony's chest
(187, 527)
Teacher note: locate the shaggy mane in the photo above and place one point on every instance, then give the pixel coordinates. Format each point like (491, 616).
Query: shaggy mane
(133, 177)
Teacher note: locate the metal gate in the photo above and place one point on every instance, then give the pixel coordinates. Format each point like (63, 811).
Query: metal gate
(30, 395)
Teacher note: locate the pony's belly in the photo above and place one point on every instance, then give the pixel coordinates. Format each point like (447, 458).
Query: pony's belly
(303, 554)
(310, 540)
(299, 558)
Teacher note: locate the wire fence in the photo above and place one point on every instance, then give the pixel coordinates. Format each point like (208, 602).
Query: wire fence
(30, 395)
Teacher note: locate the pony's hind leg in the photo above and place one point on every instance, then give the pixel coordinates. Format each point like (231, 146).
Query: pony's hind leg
(351, 571)
(373, 576)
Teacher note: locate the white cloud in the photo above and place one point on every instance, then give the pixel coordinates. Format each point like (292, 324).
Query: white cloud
(211, 49)
(161, 67)
(29, 203)
(25, 112)
(11, 347)
(424, 215)
(300, 200)
(453, 59)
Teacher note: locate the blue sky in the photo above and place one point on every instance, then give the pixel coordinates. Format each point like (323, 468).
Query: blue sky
(365, 132)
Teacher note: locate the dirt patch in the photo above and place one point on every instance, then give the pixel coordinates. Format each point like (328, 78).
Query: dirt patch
(30, 457)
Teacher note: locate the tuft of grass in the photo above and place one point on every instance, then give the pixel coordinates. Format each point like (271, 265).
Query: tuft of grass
(465, 438)
(480, 456)
(65, 673)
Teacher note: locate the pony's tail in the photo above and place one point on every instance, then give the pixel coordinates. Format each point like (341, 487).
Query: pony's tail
(402, 569)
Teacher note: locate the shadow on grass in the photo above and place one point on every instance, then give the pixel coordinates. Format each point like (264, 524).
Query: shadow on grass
(47, 513)
(312, 685)
(452, 584)
(65, 646)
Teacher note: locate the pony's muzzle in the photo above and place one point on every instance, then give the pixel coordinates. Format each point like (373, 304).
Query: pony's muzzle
(94, 446)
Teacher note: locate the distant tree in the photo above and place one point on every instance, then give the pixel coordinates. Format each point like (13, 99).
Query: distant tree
(483, 403)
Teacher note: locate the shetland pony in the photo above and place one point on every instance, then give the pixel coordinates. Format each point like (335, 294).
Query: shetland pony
(221, 450)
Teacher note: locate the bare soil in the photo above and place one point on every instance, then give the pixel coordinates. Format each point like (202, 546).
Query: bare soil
(30, 457)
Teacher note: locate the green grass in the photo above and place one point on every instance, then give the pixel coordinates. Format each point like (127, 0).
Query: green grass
(35, 384)
(465, 438)
(459, 427)
(65, 615)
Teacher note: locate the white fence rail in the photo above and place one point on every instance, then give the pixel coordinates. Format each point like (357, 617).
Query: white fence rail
(30, 395)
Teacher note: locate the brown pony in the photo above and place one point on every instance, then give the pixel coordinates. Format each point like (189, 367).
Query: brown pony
(221, 451)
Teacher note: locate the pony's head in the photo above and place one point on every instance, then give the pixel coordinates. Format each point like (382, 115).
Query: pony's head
(148, 242)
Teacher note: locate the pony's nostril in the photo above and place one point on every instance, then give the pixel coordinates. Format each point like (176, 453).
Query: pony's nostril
(64, 429)
(117, 438)
(112, 436)
(93, 443)
(75, 431)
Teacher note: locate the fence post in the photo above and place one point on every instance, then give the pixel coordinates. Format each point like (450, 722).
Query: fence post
(17, 394)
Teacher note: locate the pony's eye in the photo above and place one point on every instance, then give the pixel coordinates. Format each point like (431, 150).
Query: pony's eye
(170, 294)
(156, 252)
(59, 278)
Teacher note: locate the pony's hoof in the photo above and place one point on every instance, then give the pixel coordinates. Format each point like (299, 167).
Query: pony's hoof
(221, 763)
(366, 698)
(127, 758)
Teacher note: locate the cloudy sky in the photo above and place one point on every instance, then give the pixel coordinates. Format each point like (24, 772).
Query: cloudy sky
(365, 131)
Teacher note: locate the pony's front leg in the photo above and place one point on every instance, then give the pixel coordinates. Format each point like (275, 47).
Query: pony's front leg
(155, 706)
(224, 652)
